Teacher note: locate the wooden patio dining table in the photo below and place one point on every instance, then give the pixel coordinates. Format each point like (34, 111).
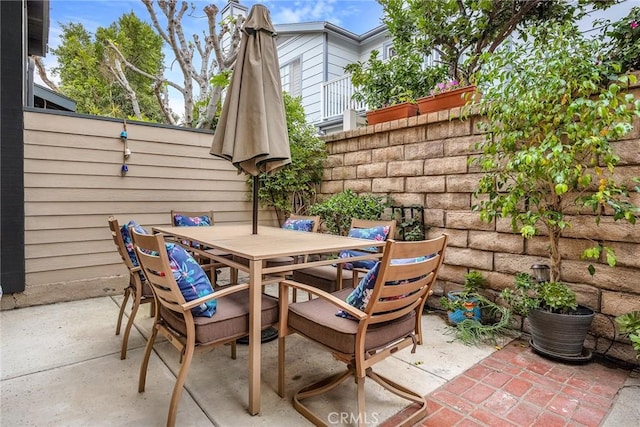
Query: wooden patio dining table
(269, 242)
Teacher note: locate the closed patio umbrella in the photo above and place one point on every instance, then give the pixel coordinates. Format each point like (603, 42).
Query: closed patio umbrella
(252, 130)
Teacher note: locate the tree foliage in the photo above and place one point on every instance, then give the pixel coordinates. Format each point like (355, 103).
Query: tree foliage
(461, 30)
(293, 187)
(553, 108)
(89, 74)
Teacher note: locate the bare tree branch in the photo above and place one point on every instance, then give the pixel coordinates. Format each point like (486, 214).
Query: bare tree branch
(42, 72)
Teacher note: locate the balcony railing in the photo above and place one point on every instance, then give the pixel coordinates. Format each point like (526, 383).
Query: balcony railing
(336, 98)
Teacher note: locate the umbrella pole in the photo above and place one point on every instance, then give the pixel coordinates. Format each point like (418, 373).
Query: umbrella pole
(255, 204)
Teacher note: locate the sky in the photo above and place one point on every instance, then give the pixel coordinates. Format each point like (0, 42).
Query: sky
(357, 16)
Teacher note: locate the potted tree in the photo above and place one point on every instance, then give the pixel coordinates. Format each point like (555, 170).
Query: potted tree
(552, 109)
(558, 324)
(390, 87)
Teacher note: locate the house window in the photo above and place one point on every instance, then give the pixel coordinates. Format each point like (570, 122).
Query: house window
(291, 77)
(388, 51)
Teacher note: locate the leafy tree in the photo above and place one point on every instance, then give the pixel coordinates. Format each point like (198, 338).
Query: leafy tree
(206, 61)
(553, 108)
(461, 30)
(293, 187)
(93, 78)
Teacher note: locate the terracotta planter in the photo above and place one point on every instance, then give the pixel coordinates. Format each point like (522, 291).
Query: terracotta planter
(394, 112)
(445, 101)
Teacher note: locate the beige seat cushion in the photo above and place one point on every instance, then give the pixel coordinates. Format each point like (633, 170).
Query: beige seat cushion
(324, 277)
(231, 318)
(317, 320)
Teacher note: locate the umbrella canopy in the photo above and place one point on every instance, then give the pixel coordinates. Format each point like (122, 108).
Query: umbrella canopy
(252, 130)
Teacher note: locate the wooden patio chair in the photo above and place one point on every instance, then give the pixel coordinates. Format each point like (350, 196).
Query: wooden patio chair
(138, 289)
(176, 320)
(206, 219)
(368, 331)
(330, 278)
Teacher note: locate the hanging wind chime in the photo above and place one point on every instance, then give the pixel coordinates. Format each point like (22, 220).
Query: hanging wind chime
(126, 152)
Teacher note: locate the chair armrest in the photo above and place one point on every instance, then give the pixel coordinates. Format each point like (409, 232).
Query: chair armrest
(215, 295)
(326, 296)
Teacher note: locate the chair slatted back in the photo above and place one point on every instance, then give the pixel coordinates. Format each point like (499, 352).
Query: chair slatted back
(366, 223)
(154, 261)
(314, 218)
(117, 239)
(402, 288)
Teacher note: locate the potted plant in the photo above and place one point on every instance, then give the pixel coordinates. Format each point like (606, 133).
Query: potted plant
(446, 95)
(551, 110)
(390, 87)
(558, 324)
(464, 304)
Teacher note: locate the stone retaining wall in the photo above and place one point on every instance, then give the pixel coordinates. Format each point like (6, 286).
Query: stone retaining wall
(425, 161)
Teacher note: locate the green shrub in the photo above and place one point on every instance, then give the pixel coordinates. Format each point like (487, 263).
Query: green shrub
(336, 212)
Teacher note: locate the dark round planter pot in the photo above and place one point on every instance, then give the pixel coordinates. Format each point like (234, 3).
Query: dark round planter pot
(560, 335)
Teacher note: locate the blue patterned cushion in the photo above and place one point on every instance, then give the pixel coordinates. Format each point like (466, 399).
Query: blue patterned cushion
(359, 297)
(191, 221)
(367, 263)
(128, 242)
(191, 279)
(298, 224)
(379, 233)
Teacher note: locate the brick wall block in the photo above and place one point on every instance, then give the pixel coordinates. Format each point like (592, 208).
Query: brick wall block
(498, 281)
(617, 303)
(425, 184)
(460, 127)
(496, 242)
(622, 279)
(451, 273)
(463, 183)
(627, 253)
(503, 225)
(415, 133)
(446, 165)
(628, 151)
(457, 238)
(372, 170)
(334, 160)
(326, 174)
(569, 248)
(405, 168)
(448, 200)
(398, 137)
(344, 172)
(388, 185)
(331, 187)
(467, 220)
(619, 350)
(513, 264)
(376, 140)
(471, 258)
(587, 295)
(408, 199)
(424, 150)
(584, 226)
(387, 154)
(434, 217)
(358, 185)
(438, 130)
(463, 145)
(602, 327)
(357, 158)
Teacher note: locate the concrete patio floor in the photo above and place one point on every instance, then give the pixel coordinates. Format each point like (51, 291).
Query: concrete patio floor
(60, 365)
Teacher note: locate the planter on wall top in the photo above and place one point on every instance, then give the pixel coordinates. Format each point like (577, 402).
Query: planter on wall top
(446, 100)
(394, 112)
